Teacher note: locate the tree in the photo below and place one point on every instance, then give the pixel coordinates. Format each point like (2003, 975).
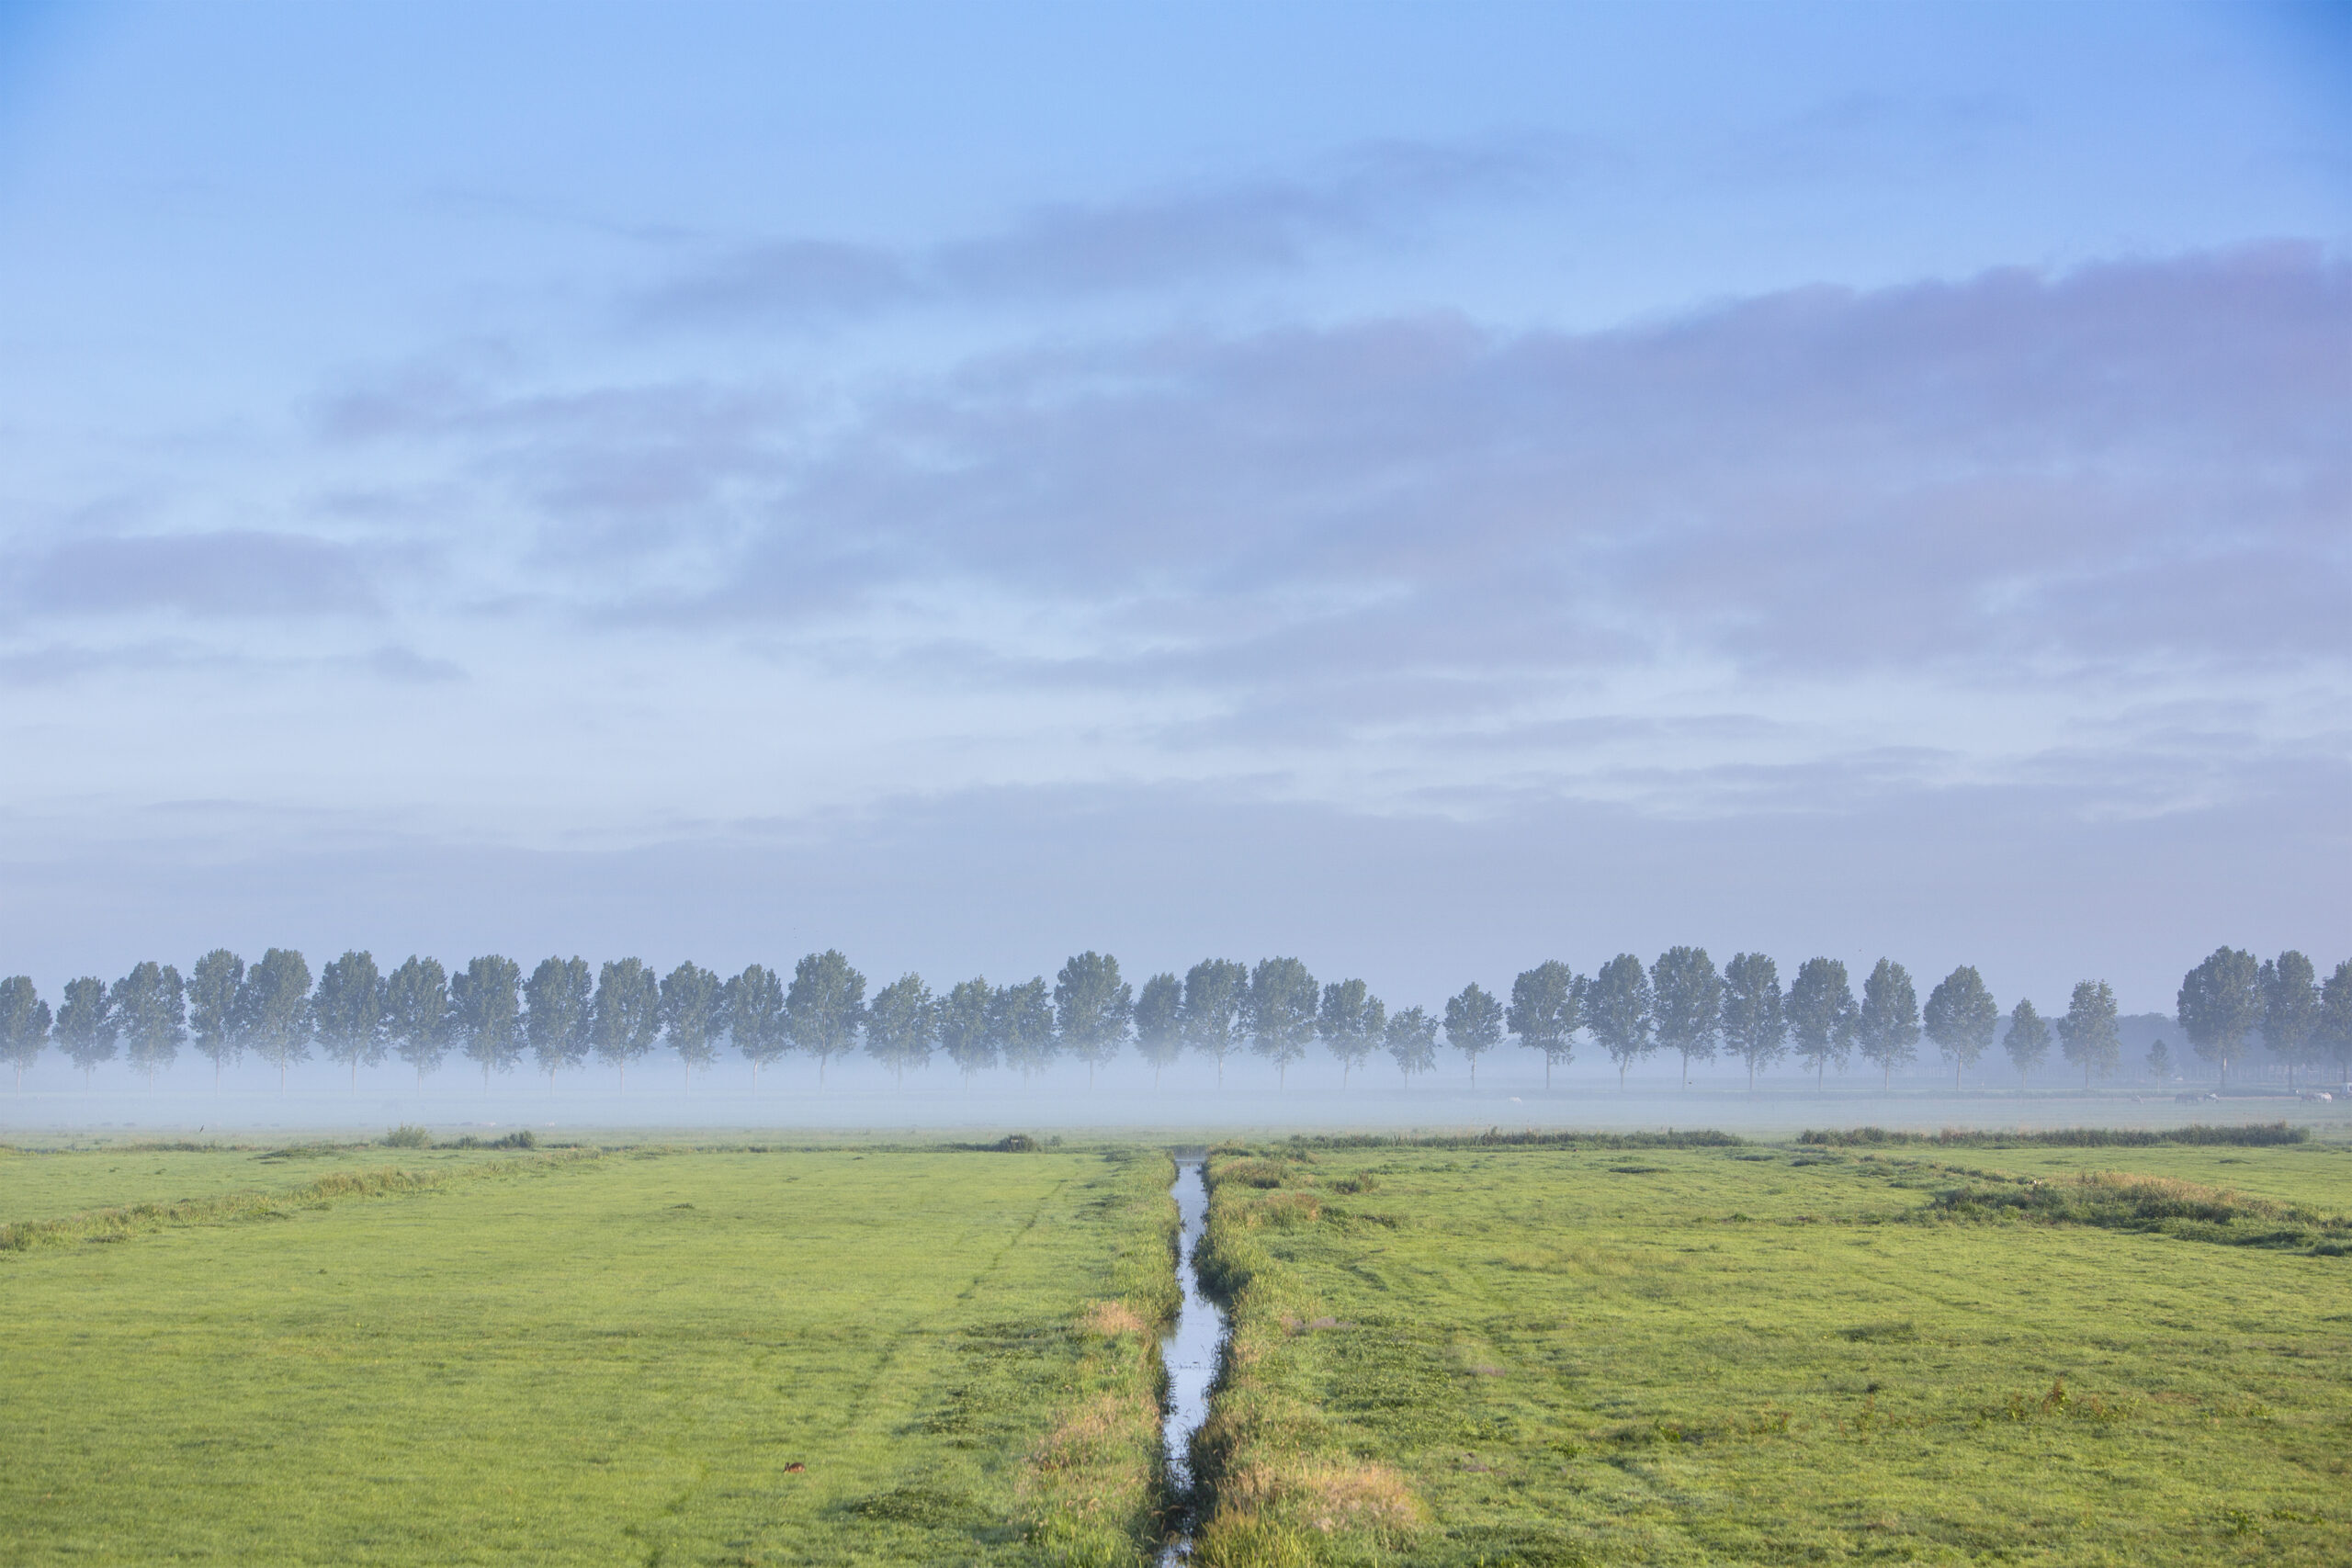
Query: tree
(693, 1012)
(86, 1025)
(2290, 1010)
(150, 1006)
(1215, 992)
(900, 1025)
(1753, 1024)
(2160, 1061)
(1617, 1011)
(1888, 1024)
(24, 1024)
(2335, 1019)
(1022, 1019)
(966, 1027)
(1821, 1014)
(2220, 1004)
(273, 1010)
(347, 1013)
(416, 1013)
(1412, 1041)
(561, 1020)
(2087, 1033)
(1686, 998)
(1474, 1024)
(1159, 1022)
(627, 1016)
(824, 1006)
(2028, 1040)
(486, 1005)
(212, 1007)
(1091, 1006)
(1280, 1008)
(1544, 1012)
(1962, 1019)
(753, 1006)
(1352, 1021)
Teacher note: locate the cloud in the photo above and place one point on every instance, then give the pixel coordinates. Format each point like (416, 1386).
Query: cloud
(218, 575)
(1372, 194)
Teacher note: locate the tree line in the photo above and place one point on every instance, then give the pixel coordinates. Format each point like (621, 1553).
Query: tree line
(562, 1015)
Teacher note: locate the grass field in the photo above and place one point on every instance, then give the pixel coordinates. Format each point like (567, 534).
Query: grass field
(1549, 1355)
(650, 1357)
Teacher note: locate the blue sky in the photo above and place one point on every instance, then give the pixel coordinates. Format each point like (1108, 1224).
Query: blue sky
(1425, 488)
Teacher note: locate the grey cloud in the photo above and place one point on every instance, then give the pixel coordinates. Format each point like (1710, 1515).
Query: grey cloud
(225, 574)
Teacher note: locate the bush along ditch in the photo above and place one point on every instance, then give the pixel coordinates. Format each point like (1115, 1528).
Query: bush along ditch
(1274, 1488)
(1094, 1490)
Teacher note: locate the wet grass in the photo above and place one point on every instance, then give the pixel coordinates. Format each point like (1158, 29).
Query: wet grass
(1802, 1354)
(680, 1356)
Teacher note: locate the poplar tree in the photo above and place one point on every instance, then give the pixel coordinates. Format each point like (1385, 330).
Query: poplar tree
(1351, 1021)
(272, 1009)
(212, 988)
(2087, 1033)
(1474, 1024)
(416, 1013)
(753, 1005)
(1753, 1024)
(347, 1013)
(1091, 1008)
(1617, 1010)
(1159, 1022)
(627, 1013)
(560, 1016)
(967, 1029)
(1821, 1014)
(1962, 1017)
(2290, 1010)
(1022, 1019)
(2335, 1019)
(823, 1006)
(2028, 1041)
(486, 1005)
(1281, 1008)
(86, 1025)
(693, 1012)
(2220, 1004)
(150, 1006)
(24, 1024)
(1544, 1013)
(1412, 1041)
(1888, 1023)
(1687, 997)
(1214, 991)
(2159, 1061)
(900, 1025)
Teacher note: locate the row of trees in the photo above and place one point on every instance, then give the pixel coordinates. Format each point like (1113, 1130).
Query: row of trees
(561, 1015)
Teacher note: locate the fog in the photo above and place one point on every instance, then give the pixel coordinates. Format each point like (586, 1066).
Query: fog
(858, 1098)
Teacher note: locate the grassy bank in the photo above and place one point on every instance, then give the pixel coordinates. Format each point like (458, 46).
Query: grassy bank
(1565, 1355)
(676, 1357)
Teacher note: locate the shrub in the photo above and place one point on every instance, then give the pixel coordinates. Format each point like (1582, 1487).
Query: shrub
(408, 1135)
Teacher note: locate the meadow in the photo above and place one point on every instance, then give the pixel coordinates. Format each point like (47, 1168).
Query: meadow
(1616, 1352)
(354, 1355)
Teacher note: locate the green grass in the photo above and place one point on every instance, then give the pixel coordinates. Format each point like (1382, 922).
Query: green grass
(1768, 1355)
(679, 1356)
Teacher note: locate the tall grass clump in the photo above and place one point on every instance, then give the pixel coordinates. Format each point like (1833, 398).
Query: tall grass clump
(408, 1135)
(2120, 1200)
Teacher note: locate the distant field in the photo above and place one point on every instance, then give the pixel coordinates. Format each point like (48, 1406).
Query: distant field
(1747, 1355)
(677, 1357)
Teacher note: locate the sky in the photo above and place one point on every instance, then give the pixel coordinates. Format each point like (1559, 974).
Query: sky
(1427, 489)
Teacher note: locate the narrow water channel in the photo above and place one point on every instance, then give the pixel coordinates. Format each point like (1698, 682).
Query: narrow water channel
(1189, 1351)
